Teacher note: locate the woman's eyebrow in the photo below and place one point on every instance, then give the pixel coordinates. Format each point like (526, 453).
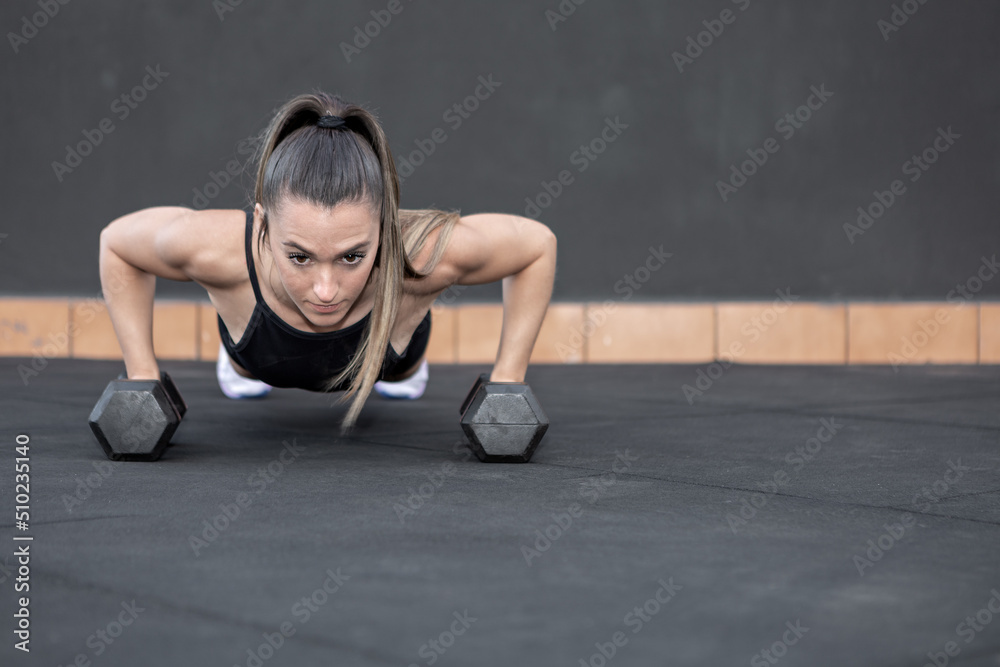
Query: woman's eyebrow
(358, 246)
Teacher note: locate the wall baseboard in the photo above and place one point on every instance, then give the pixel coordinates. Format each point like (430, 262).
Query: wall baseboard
(766, 332)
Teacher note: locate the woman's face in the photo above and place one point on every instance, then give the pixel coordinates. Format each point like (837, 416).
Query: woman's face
(323, 256)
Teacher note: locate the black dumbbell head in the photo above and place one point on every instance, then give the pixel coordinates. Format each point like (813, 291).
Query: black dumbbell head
(134, 420)
(480, 381)
(173, 393)
(504, 422)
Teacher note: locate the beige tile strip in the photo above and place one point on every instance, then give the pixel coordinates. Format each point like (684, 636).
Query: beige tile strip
(783, 333)
(766, 332)
(913, 333)
(989, 333)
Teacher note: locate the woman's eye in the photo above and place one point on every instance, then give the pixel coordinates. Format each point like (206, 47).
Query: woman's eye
(357, 260)
(294, 259)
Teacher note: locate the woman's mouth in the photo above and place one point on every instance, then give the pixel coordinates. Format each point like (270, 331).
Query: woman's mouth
(324, 309)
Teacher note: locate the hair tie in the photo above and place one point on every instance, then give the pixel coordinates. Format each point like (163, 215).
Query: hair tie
(330, 122)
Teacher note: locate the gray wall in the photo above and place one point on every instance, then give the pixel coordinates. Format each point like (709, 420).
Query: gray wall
(655, 184)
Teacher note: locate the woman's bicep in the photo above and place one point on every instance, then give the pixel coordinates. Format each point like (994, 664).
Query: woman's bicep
(150, 240)
(487, 247)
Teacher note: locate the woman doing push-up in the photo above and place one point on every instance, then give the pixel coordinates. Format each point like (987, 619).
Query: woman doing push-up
(324, 283)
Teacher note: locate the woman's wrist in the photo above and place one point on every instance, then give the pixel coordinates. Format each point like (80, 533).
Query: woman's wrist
(142, 371)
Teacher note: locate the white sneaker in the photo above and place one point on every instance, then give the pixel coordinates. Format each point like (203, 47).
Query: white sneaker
(411, 388)
(235, 385)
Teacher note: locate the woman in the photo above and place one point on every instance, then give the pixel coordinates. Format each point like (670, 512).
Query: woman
(325, 284)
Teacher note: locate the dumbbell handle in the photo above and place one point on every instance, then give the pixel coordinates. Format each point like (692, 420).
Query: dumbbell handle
(176, 400)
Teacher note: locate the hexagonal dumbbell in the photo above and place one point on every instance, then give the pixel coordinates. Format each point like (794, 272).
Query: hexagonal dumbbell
(135, 419)
(503, 421)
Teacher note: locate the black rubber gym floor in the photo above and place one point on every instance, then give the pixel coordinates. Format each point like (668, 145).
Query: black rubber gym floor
(786, 515)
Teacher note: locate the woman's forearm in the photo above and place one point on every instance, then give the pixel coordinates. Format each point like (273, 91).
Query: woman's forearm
(128, 294)
(526, 296)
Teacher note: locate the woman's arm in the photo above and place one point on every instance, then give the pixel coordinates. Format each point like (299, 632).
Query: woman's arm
(521, 252)
(134, 250)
